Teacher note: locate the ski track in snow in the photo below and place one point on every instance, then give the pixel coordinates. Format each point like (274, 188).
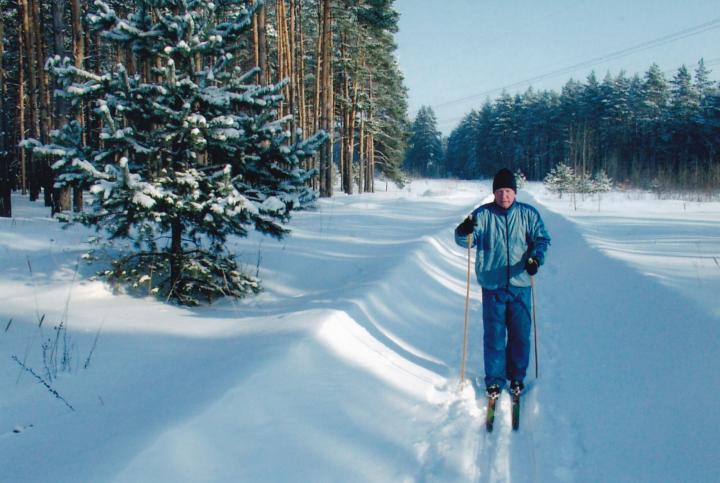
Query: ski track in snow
(458, 448)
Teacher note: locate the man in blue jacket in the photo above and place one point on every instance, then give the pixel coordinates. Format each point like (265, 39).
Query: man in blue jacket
(511, 242)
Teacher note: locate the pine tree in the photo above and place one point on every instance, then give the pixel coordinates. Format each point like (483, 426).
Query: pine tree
(684, 111)
(656, 93)
(684, 96)
(561, 179)
(192, 151)
(601, 182)
(653, 113)
(461, 154)
(503, 131)
(703, 84)
(425, 156)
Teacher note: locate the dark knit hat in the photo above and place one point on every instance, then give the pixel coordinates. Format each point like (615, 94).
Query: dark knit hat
(504, 179)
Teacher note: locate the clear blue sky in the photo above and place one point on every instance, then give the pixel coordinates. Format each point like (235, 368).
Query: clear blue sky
(456, 53)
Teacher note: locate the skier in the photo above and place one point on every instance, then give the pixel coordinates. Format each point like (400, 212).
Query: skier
(511, 241)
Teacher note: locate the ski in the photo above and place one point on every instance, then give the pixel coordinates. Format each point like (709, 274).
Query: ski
(490, 415)
(515, 411)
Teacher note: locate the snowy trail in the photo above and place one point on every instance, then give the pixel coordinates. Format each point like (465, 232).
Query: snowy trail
(346, 367)
(597, 342)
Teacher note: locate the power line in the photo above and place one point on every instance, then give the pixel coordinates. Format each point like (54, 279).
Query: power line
(682, 34)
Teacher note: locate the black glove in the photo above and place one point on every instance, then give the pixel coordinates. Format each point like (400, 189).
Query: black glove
(466, 227)
(531, 266)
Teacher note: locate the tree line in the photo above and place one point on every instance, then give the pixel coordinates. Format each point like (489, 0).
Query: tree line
(335, 59)
(643, 130)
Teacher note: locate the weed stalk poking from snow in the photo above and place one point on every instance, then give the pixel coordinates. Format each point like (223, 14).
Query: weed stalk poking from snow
(92, 349)
(53, 359)
(43, 382)
(40, 318)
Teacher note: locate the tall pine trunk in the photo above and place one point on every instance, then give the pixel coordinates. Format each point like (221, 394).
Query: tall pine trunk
(345, 160)
(262, 50)
(33, 174)
(300, 68)
(351, 134)
(285, 59)
(20, 124)
(43, 96)
(362, 145)
(370, 149)
(280, 28)
(5, 176)
(317, 103)
(292, 67)
(327, 105)
(61, 195)
(78, 46)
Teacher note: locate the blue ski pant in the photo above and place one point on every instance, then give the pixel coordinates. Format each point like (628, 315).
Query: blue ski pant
(506, 334)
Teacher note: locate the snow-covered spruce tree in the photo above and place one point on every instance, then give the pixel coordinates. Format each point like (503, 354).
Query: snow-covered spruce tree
(601, 182)
(191, 152)
(520, 179)
(560, 179)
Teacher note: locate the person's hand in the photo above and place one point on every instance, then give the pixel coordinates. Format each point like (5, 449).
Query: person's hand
(466, 227)
(531, 266)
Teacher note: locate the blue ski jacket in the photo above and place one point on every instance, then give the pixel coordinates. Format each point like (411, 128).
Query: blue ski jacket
(505, 239)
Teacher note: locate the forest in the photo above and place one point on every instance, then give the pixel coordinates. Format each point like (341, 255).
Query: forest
(336, 63)
(169, 126)
(646, 131)
(334, 58)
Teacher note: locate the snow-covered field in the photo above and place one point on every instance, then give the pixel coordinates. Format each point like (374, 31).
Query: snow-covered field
(346, 367)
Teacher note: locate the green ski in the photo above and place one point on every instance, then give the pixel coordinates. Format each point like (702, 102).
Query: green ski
(490, 415)
(515, 411)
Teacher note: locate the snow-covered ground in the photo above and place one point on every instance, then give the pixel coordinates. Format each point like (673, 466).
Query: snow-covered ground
(346, 367)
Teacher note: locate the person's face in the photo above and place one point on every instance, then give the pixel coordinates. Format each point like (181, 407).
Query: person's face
(504, 197)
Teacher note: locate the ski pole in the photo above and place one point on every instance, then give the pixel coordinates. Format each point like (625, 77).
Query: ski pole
(467, 304)
(532, 291)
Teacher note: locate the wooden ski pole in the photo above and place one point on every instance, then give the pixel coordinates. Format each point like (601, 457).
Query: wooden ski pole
(467, 305)
(532, 291)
